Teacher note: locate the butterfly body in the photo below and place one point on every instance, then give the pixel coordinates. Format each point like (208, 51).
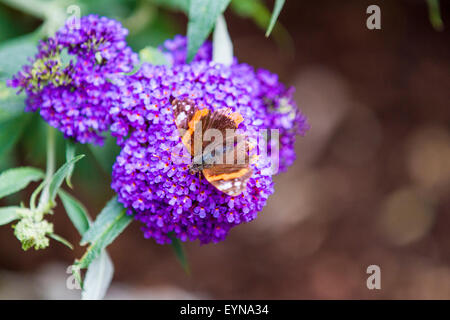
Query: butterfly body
(217, 151)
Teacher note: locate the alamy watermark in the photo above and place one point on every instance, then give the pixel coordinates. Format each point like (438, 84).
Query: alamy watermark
(373, 21)
(374, 280)
(74, 18)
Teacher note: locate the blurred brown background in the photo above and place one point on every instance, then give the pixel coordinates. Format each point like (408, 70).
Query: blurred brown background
(371, 184)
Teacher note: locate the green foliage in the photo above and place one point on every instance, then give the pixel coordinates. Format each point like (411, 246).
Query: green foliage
(11, 104)
(98, 277)
(14, 180)
(61, 240)
(148, 28)
(276, 12)
(111, 221)
(222, 45)
(15, 53)
(58, 178)
(153, 55)
(434, 12)
(150, 55)
(9, 214)
(100, 271)
(178, 249)
(76, 212)
(70, 154)
(10, 131)
(202, 16)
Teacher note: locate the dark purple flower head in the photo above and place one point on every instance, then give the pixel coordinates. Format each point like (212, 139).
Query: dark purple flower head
(267, 94)
(68, 78)
(149, 177)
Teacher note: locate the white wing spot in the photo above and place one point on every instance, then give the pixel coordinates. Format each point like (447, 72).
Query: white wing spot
(225, 186)
(181, 117)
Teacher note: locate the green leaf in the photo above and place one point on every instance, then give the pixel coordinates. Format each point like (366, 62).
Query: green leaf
(178, 249)
(434, 13)
(260, 14)
(98, 277)
(202, 16)
(153, 55)
(59, 176)
(76, 212)
(276, 12)
(11, 130)
(70, 154)
(11, 104)
(16, 179)
(61, 240)
(101, 270)
(108, 225)
(222, 45)
(108, 215)
(8, 214)
(15, 53)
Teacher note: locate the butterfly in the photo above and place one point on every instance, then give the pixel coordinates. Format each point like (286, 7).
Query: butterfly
(224, 163)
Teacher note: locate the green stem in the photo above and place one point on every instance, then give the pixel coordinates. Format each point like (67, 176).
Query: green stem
(50, 153)
(44, 204)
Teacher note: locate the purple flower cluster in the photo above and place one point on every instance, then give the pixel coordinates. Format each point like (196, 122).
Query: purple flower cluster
(267, 94)
(90, 93)
(75, 95)
(148, 176)
(175, 50)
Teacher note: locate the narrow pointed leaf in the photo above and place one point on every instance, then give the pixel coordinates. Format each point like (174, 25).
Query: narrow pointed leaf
(14, 180)
(61, 240)
(178, 249)
(276, 12)
(70, 154)
(60, 175)
(76, 211)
